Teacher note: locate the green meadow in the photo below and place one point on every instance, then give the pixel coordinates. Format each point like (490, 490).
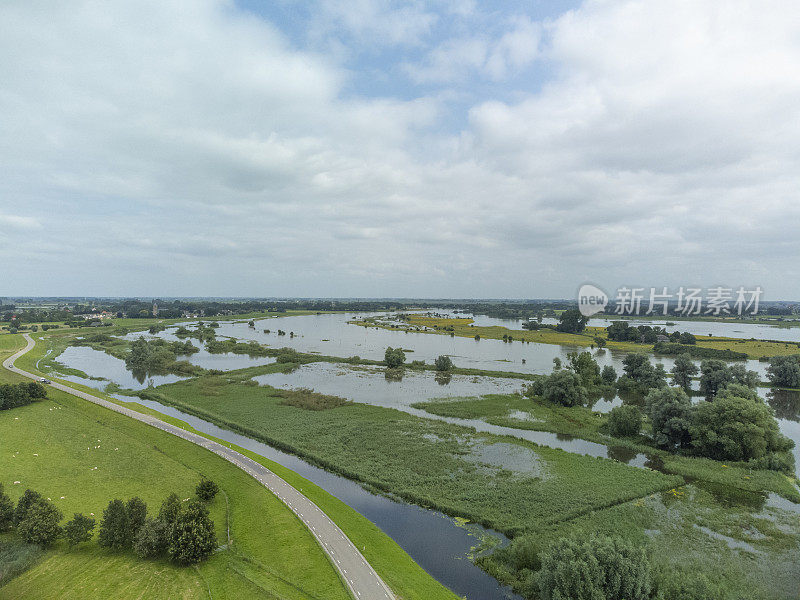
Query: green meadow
(270, 554)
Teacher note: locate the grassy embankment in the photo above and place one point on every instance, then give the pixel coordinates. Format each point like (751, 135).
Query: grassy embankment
(463, 327)
(272, 552)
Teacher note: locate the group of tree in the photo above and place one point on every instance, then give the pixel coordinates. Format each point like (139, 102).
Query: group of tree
(640, 375)
(784, 371)
(13, 395)
(572, 321)
(394, 357)
(621, 331)
(183, 531)
(735, 425)
(443, 363)
(575, 384)
(37, 520)
(158, 357)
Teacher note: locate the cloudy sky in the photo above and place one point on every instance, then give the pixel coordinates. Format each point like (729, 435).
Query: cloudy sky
(448, 148)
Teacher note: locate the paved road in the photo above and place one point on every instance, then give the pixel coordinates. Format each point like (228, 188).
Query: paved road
(362, 580)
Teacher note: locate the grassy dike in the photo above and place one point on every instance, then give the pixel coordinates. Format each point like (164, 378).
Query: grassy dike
(407, 579)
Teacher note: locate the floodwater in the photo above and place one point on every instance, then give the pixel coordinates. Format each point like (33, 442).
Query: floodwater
(370, 386)
(438, 543)
(777, 332)
(331, 334)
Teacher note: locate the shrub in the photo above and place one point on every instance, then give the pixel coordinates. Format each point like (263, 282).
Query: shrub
(136, 511)
(78, 529)
(443, 363)
(25, 502)
(40, 525)
(206, 490)
(6, 510)
(152, 539)
(596, 569)
(170, 509)
(115, 528)
(624, 421)
(192, 536)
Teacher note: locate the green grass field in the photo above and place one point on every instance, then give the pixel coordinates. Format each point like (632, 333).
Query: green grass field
(428, 462)
(272, 555)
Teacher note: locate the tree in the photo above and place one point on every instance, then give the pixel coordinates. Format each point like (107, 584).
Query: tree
(136, 510)
(206, 490)
(572, 321)
(682, 372)
(78, 529)
(609, 375)
(716, 375)
(115, 528)
(624, 421)
(6, 510)
(192, 536)
(670, 413)
(687, 338)
(394, 357)
(443, 363)
(585, 366)
(784, 371)
(152, 540)
(599, 568)
(640, 374)
(40, 525)
(35, 390)
(25, 502)
(564, 387)
(737, 429)
(170, 509)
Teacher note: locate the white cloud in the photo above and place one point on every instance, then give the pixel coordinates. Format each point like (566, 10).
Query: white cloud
(493, 57)
(198, 152)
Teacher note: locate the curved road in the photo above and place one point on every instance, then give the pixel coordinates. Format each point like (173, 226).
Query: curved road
(361, 579)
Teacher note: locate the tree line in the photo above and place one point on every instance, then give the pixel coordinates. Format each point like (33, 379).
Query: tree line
(13, 395)
(182, 530)
(733, 423)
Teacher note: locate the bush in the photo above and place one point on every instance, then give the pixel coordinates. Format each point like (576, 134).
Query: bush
(192, 537)
(6, 510)
(394, 357)
(596, 569)
(25, 502)
(564, 387)
(624, 421)
(152, 540)
(443, 363)
(206, 490)
(40, 525)
(115, 531)
(136, 511)
(170, 509)
(79, 529)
